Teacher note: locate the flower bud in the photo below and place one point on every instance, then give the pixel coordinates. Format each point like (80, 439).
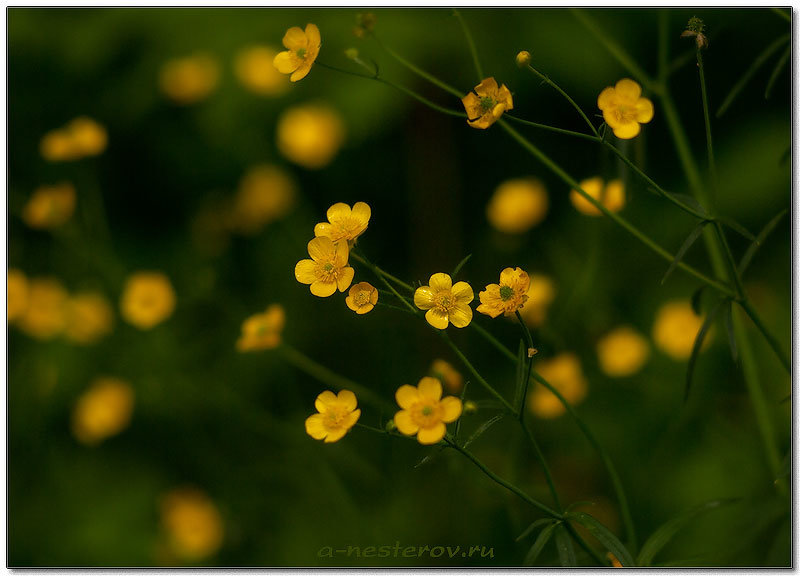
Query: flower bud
(523, 58)
(351, 53)
(470, 407)
(390, 426)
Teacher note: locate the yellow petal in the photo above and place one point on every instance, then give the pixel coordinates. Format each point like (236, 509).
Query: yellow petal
(342, 255)
(451, 409)
(471, 104)
(430, 389)
(606, 98)
(627, 131)
(324, 400)
(305, 272)
(405, 423)
(481, 123)
(345, 278)
(361, 212)
(313, 36)
(432, 435)
(315, 428)
(295, 39)
(338, 211)
(611, 118)
(487, 87)
(347, 399)
(644, 111)
(285, 62)
(321, 249)
(437, 318)
(351, 303)
(301, 72)
(406, 396)
(351, 419)
(440, 281)
(629, 90)
(462, 293)
(323, 289)
(489, 310)
(461, 315)
(504, 96)
(423, 297)
(615, 196)
(323, 229)
(365, 308)
(336, 435)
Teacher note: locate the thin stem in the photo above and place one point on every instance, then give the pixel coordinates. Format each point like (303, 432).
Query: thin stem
(529, 339)
(552, 128)
(712, 165)
(545, 468)
(547, 80)
(747, 306)
(471, 44)
(380, 271)
(371, 428)
(582, 543)
(380, 274)
(733, 271)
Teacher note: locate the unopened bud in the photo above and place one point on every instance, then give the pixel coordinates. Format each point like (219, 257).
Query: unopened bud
(523, 58)
(470, 407)
(390, 426)
(351, 53)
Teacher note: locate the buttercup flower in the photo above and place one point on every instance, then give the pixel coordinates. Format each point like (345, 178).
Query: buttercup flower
(148, 299)
(424, 411)
(310, 135)
(622, 352)
(190, 79)
(447, 375)
(362, 298)
(344, 223)
(80, 138)
(517, 205)
(565, 375)
(508, 296)
(302, 48)
(262, 331)
(675, 329)
(192, 523)
(49, 206)
(611, 195)
(337, 414)
(445, 302)
(89, 318)
(266, 193)
(16, 295)
(487, 103)
(102, 411)
(45, 315)
(624, 109)
(327, 270)
(254, 69)
(541, 294)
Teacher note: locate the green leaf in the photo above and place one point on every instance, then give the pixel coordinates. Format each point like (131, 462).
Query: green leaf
(484, 427)
(753, 248)
(429, 457)
(534, 525)
(696, 300)
(664, 534)
(690, 239)
(605, 537)
(729, 329)
(460, 265)
(689, 201)
(698, 343)
(736, 227)
(776, 72)
(566, 551)
(538, 545)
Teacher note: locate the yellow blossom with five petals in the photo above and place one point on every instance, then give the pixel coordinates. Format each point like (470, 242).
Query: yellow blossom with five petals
(262, 331)
(362, 298)
(445, 302)
(327, 269)
(624, 109)
(302, 48)
(508, 296)
(424, 411)
(344, 223)
(337, 413)
(486, 103)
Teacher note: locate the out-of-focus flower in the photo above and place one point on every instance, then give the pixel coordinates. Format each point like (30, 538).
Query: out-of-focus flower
(564, 373)
(327, 269)
(147, 300)
(190, 79)
(45, 316)
(508, 296)
(50, 206)
(262, 331)
(337, 413)
(424, 411)
(365, 24)
(310, 135)
(16, 294)
(517, 205)
(192, 523)
(622, 352)
(254, 69)
(611, 195)
(89, 318)
(675, 329)
(81, 138)
(345, 223)
(624, 109)
(541, 294)
(445, 302)
(302, 48)
(362, 298)
(102, 411)
(266, 193)
(486, 103)
(449, 376)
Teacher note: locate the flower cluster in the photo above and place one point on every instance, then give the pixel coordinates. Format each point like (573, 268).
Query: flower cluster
(81, 138)
(50, 206)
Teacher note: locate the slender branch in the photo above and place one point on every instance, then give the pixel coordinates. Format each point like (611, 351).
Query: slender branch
(747, 306)
(712, 165)
(471, 43)
(380, 272)
(547, 80)
(552, 128)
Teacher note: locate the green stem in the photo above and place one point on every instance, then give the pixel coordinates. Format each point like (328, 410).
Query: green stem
(380, 272)
(475, 60)
(582, 543)
(782, 14)
(552, 84)
(529, 339)
(552, 128)
(540, 457)
(712, 165)
(747, 306)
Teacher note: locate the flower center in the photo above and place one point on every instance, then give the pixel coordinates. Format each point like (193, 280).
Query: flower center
(506, 292)
(625, 113)
(301, 53)
(334, 417)
(486, 103)
(347, 228)
(443, 300)
(326, 272)
(425, 414)
(362, 297)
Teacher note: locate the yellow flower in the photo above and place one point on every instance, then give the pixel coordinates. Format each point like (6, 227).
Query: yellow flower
(675, 329)
(302, 48)
(564, 373)
(362, 298)
(262, 331)
(487, 103)
(89, 318)
(148, 299)
(16, 295)
(310, 135)
(517, 205)
(337, 414)
(541, 294)
(102, 411)
(50, 206)
(445, 302)
(424, 411)
(523, 58)
(449, 376)
(624, 109)
(254, 69)
(327, 270)
(45, 316)
(192, 523)
(344, 223)
(80, 138)
(508, 296)
(190, 79)
(610, 195)
(622, 352)
(266, 193)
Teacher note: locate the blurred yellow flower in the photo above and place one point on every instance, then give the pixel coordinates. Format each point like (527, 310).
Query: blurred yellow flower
(103, 410)
(147, 299)
(624, 109)
(190, 79)
(424, 411)
(266, 193)
(445, 302)
(192, 523)
(362, 298)
(508, 296)
(262, 331)
(486, 103)
(16, 294)
(310, 135)
(564, 373)
(610, 195)
(45, 316)
(517, 205)
(345, 223)
(302, 48)
(541, 294)
(449, 376)
(336, 415)
(254, 69)
(81, 138)
(327, 270)
(89, 318)
(622, 352)
(50, 206)
(675, 329)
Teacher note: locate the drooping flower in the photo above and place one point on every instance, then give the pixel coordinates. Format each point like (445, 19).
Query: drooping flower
(262, 331)
(624, 109)
(508, 296)
(675, 329)
(362, 297)
(449, 376)
(147, 300)
(564, 373)
(254, 69)
(81, 138)
(192, 524)
(611, 195)
(266, 193)
(424, 411)
(327, 269)
(517, 205)
(302, 48)
(189, 79)
(337, 413)
(102, 411)
(16, 295)
(89, 318)
(486, 103)
(45, 315)
(622, 352)
(541, 294)
(310, 135)
(344, 223)
(50, 206)
(445, 302)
